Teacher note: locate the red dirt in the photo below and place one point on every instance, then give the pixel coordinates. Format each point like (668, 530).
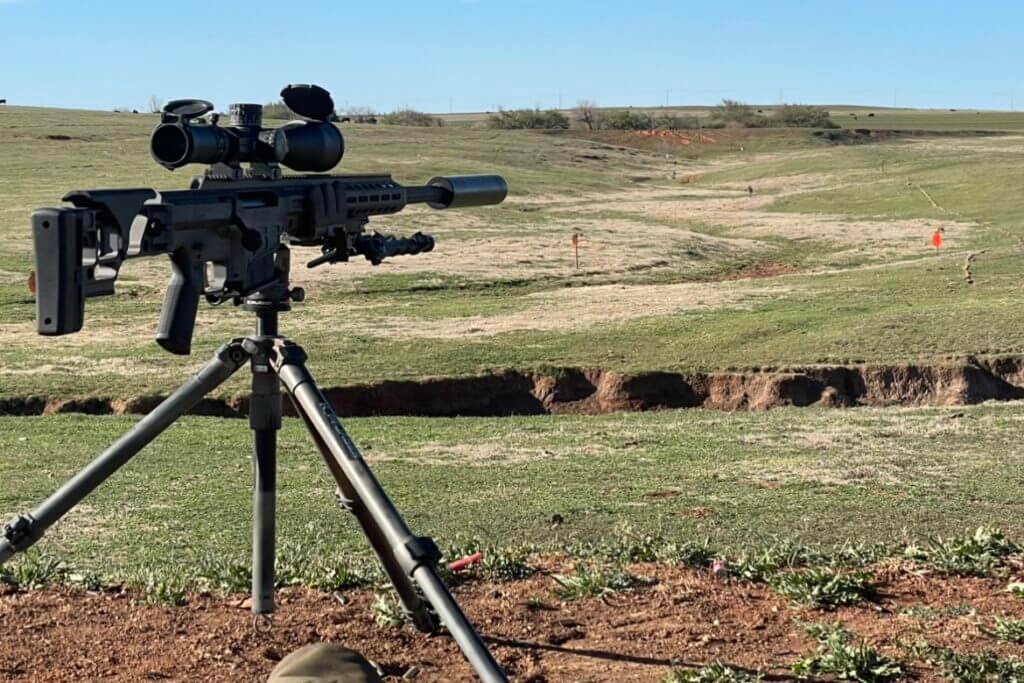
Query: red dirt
(684, 616)
(677, 136)
(594, 391)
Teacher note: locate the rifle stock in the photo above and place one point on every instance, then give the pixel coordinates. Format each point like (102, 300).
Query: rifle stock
(239, 226)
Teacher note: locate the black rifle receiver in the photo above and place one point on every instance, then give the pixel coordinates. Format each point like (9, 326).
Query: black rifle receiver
(228, 236)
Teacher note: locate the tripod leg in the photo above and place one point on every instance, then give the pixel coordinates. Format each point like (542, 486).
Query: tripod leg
(264, 510)
(265, 421)
(415, 556)
(23, 531)
(414, 607)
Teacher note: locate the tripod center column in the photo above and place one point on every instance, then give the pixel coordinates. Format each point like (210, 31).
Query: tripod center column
(265, 421)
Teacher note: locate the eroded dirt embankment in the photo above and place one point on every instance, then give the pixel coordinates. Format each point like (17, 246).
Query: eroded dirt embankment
(595, 391)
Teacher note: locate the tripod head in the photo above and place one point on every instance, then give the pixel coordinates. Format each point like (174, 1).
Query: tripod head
(229, 235)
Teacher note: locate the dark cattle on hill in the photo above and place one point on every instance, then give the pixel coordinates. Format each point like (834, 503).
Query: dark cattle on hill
(3, 101)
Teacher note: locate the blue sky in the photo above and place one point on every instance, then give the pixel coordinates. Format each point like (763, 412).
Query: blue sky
(474, 55)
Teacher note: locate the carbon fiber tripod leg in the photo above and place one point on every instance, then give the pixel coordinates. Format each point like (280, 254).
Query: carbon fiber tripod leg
(399, 550)
(413, 606)
(23, 531)
(265, 421)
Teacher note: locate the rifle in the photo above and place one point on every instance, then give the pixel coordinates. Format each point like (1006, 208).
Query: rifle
(228, 235)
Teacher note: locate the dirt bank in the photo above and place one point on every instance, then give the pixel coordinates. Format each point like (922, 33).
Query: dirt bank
(596, 391)
(682, 616)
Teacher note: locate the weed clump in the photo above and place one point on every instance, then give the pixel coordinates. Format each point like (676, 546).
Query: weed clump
(760, 566)
(499, 563)
(299, 565)
(158, 588)
(977, 555)
(387, 613)
(824, 588)
(976, 667)
(295, 565)
(223, 575)
(713, 673)
(840, 656)
(1010, 630)
(593, 582)
(634, 546)
(34, 570)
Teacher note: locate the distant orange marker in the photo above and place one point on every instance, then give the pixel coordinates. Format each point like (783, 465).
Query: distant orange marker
(32, 281)
(937, 239)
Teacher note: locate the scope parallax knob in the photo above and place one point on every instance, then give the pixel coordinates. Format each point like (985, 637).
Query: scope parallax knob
(246, 115)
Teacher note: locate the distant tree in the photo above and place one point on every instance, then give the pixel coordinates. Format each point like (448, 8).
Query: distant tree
(803, 116)
(277, 110)
(531, 119)
(361, 115)
(155, 104)
(586, 113)
(733, 114)
(626, 119)
(675, 122)
(410, 117)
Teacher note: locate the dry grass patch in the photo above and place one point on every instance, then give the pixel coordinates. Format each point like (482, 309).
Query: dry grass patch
(576, 308)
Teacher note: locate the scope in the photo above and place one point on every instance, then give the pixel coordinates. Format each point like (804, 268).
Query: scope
(186, 136)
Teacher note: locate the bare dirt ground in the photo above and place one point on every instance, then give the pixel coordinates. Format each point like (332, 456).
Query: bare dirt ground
(681, 617)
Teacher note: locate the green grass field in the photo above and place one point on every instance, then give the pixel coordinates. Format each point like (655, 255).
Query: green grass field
(828, 261)
(820, 477)
(859, 278)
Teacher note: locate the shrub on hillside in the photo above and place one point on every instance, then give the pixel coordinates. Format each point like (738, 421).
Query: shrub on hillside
(625, 119)
(278, 110)
(802, 116)
(675, 122)
(733, 114)
(533, 119)
(359, 115)
(410, 117)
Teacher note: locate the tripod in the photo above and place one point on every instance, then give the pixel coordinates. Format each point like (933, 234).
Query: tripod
(410, 561)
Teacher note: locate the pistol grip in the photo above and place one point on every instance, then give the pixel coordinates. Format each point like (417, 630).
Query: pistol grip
(60, 274)
(181, 302)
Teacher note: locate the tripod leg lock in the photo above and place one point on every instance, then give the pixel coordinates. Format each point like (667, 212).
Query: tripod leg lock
(420, 551)
(286, 352)
(22, 532)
